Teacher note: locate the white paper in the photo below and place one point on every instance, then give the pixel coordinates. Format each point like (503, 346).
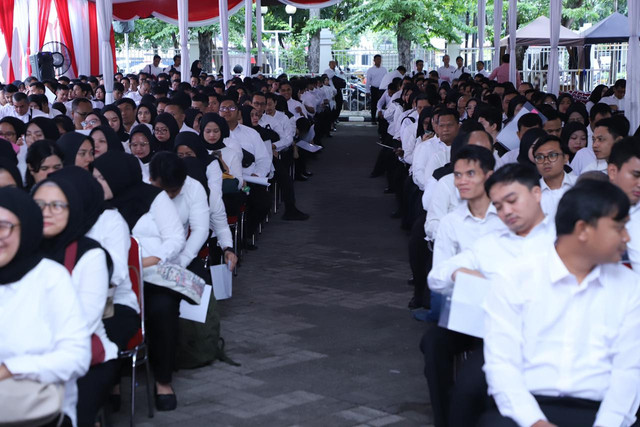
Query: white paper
(312, 148)
(256, 180)
(197, 313)
(385, 146)
(466, 314)
(508, 136)
(222, 280)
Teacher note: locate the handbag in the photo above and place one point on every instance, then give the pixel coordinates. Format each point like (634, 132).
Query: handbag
(29, 403)
(189, 285)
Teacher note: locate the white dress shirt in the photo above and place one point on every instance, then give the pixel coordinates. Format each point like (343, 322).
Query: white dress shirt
(232, 157)
(446, 73)
(160, 231)
(309, 100)
(44, 334)
(280, 124)
(438, 200)
(599, 165)
(112, 232)
(507, 158)
(492, 253)
(460, 229)
(293, 106)
(10, 111)
(422, 159)
(193, 210)
(633, 228)
(251, 141)
(583, 158)
(186, 128)
(409, 141)
(546, 334)
(135, 96)
(460, 71)
(551, 198)
(388, 78)
(612, 100)
(374, 77)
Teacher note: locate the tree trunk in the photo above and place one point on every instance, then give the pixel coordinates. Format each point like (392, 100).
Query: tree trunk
(174, 40)
(204, 45)
(313, 60)
(404, 45)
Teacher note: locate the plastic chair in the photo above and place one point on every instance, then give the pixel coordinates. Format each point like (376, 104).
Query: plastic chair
(137, 348)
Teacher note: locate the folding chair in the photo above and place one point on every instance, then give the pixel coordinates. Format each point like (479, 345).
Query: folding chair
(137, 349)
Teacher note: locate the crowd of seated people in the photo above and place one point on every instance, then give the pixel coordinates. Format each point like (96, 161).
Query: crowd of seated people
(542, 203)
(169, 163)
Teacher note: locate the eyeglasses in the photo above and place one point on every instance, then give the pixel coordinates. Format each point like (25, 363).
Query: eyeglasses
(7, 134)
(226, 109)
(552, 157)
(90, 122)
(138, 144)
(56, 207)
(160, 131)
(6, 228)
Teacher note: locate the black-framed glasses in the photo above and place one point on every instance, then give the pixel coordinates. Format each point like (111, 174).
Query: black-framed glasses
(225, 109)
(6, 228)
(55, 207)
(552, 157)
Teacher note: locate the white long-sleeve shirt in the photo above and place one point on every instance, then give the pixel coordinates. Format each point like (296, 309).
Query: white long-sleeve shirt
(409, 141)
(546, 334)
(374, 77)
(583, 158)
(491, 254)
(193, 210)
(280, 124)
(551, 198)
(438, 200)
(251, 141)
(633, 228)
(43, 333)
(160, 231)
(112, 232)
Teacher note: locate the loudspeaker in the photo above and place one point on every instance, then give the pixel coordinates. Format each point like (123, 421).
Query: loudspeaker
(42, 66)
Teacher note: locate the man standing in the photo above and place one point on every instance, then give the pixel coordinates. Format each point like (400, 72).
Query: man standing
(419, 68)
(461, 69)
(155, 67)
(446, 71)
(176, 65)
(374, 76)
(480, 69)
(501, 73)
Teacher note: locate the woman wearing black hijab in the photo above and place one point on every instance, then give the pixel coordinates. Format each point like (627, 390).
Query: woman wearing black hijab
(77, 149)
(143, 145)
(214, 134)
(9, 173)
(41, 128)
(43, 329)
(146, 113)
(525, 155)
(104, 139)
(192, 117)
(114, 117)
(154, 221)
(65, 223)
(165, 129)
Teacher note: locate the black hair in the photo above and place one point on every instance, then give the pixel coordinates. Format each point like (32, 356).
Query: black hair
(38, 99)
(449, 112)
(513, 103)
(541, 141)
(529, 120)
(578, 107)
(19, 96)
(621, 83)
(588, 201)
(506, 58)
(513, 172)
(599, 108)
(37, 153)
(199, 97)
(490, 114)
(596, 94)
(617, 126)
(64, 121)
(623, 151)
(129, 101)
(549, 112)
(38, 85)
(479, 154)
(170, 169)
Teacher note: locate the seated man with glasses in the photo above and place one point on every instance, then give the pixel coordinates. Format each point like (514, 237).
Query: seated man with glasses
(80, 109)
(551, 156)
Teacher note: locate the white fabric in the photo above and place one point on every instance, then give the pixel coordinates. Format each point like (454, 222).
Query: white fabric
(633, 228)
(508, 157)
(491, 254)
(599, 165)
(259, 32)
(20, 38)
(159, 231)
(34, 30)
(409, 141)
(534, 346)
(193, 210)
(482, 16)
(251, 141)
(104, 16)
(248, 24)
(388, 78)
(553, 76)
(280, 124)
(459, 230)
(583, 158)
(375, 76)
(79, 20)
(632, 108)
(551, 198)
(44, 334)
(316, 5)
(223, 6)
(513, 26)
(497, 31)
(446, 74)
(440, 198)
(183, 28)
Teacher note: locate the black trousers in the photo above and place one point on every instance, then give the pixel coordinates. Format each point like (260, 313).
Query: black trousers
(439, 347)
(376, 94)
(284, 179)
(162, 308)
(420, 260)
(122, 326)
(257, 207)
(93, 390)
(469, 397)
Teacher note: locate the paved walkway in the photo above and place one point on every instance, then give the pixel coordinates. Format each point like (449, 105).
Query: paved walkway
(318, 317)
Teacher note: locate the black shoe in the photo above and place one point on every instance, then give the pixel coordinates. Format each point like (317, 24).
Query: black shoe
(166, 402)
(415, 305)
(307, 174)
(300, 177)
(295, 215)
(388, 191)
(411, 282)
(115, 401)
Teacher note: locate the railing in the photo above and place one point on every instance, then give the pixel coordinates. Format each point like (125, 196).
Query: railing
(471, 56)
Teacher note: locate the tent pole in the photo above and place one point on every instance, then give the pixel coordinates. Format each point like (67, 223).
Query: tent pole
(183, 28)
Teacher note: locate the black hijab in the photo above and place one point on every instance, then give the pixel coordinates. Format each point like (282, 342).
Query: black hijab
(153, 142)
(70, 143)
(224, 130)
(55, 247)
(149, 106)
(197, 170)
(131, 196)
(426, 112)
(526, 142)
(11, 167)
(190, 116)
(121, 132)
(48, 127)
(7, 151)
(195, 70)
(30, 216)
(113, 142)
(171, 124)
(193, 141)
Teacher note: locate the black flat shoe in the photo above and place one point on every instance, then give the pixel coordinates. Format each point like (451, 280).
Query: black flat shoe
(165, 402)
(300, 177)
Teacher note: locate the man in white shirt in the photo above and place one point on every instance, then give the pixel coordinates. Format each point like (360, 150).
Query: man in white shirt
(585, 156)
(398, 72)
(177, 61)
(550, 156)
(562, 327)
(20, 108)
(480, 69)
(616, 101)
(445, 73)
(143, 89)
(374, 78)
(606, 133)
(154, 68)
(460, 69)
(515, 193)
(128, 111)
(419, 68)
(177, 111)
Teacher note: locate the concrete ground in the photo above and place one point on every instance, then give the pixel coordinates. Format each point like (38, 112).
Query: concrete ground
(318, 319)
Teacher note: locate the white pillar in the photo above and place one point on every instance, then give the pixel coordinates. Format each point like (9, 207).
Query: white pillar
(183, 28)
(104, 16)
(259, 33)
(223, 7)
(553, 73)
(248, 17)
(482, 12)
(513, 26)
(326, 43)
(632, 97)
(497, 31)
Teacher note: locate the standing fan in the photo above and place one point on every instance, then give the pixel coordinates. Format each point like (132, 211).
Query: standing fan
(59, 56)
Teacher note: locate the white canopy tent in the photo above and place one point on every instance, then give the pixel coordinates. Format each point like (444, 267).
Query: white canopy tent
(538, 33)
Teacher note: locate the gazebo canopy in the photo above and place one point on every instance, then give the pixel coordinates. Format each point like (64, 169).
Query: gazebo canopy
(613, 29)
(537, 33)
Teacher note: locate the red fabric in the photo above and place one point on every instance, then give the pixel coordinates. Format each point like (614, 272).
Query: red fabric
(6, 26)
(94, 50)
(113, 50)
(44, 8)
(199, 10)
(65, 28)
